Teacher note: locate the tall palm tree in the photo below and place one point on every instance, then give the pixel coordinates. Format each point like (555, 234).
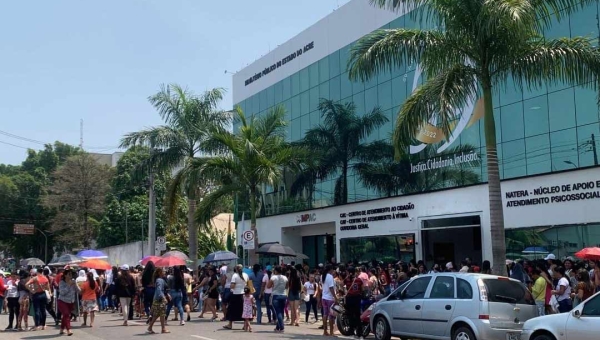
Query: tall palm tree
(379, 170)
(478, 45)
(254, 156)
(338, 140)
(188, 118)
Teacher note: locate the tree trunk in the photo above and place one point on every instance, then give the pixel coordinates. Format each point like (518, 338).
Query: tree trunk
(252, 256)
(494, 189)
(192, 229)
(344, 190)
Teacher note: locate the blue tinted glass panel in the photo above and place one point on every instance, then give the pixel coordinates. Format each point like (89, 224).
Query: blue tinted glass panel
(512, 122)
(585, 103)
(371, 99)
(497, 122)
(511, 93)
(295, 83)
(324, 91)
(287, 105)
(536, 116)
(296, 130)
(305, 123)
(587, 137)
(286, 88)
(262, 100)
(357, 86)
(313, 74)
(346, 86)
(398, 91)
(314, 99)
(385, 131)
(534, 91)
(471, 136)
(304, 80)
(323, 70)
(255, 104)
(295, 107)
(559, 29)
(359, 101)
(344, 54)
(538, 155)
(334, 64)
(335, 88)
(384, 95)
(278, 92)
(270, 96)
(384, 75)
(514, 158)
(304, 103)
(584, 22)
(315, 118)
(564, 150)
(561, 108)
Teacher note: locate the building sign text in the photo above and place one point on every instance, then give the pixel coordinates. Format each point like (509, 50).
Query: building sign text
(360, 219)
(553, 194)
(280, 63)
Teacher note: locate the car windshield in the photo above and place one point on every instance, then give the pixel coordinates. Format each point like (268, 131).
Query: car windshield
(507, 291)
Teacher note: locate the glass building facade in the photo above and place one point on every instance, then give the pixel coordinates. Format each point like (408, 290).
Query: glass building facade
(551, 129)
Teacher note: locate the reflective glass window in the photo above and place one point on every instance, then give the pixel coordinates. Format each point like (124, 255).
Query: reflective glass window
(398, 91)
(334, 64)
(559, 29)
(262, 95)
(561, 109)
(443, 288)
(384, 75)
(315, 118)
(304, 103)
(334, 89)
(286, 88)
(384, 95)
(314, 98)
(538, 154)
(313, 74)
(483, 153)
(346, 86)
(304, 80)
(357, 86)
(296, 130)
(472, 136)
(513, 158)
(359, 102)
(511, 93)
(270, 96)
(587, 136)
(324, 90)
(534, 91)
(498, 129)
(295, 83)
(344, 55)
(512, 122)
(305, 124)
(563, 146)
(584, 22)
(295, 107)
(278, 92)
(386, 248)
(370, 99)
(255, 104)
(586, 106)
(323, 70)
(535, 113)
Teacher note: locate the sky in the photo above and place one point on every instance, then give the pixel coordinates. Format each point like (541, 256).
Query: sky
(66, 60)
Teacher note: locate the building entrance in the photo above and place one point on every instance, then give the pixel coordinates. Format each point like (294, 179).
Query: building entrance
(318, 248)
(451, 239)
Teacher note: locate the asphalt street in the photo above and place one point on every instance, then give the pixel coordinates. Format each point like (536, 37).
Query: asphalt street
(109, 326)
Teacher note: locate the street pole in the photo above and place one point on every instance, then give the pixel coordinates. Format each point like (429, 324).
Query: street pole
(126, 228)
(594, 150)
(142, 222)
(45, 246)
(151, 215)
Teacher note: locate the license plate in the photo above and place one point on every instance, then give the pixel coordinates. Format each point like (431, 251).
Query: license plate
(513, 336)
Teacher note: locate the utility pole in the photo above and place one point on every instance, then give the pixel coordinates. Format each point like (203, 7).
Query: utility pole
(126, 228)
(151, 215)
(142, 222)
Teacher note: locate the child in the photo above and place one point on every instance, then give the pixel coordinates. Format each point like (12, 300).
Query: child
(248, 311)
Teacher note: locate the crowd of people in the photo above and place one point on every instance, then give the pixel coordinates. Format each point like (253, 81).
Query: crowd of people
(271, 293)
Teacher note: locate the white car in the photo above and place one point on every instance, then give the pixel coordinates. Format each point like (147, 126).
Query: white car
(582, 323)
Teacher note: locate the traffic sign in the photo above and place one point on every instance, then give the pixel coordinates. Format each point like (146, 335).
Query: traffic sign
(248, 239)
(23, 229)
(161, 243)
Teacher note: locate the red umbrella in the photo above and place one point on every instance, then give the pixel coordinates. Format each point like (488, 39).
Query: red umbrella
(147, 259)
(170, 261)
(591, 253)
(95, 264)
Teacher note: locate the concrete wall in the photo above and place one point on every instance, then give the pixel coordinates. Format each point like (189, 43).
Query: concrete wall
(130, 253)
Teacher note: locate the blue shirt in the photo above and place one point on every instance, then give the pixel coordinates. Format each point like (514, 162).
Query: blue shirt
(159, 292)
(257, 280)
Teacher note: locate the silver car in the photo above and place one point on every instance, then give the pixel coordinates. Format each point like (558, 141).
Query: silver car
(582, 323)
(455, 306)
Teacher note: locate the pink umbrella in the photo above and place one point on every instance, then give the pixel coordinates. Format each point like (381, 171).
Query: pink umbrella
(170, 261)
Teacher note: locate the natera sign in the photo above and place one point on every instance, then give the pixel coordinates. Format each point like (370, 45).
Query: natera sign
(280, 63)
(553, 194)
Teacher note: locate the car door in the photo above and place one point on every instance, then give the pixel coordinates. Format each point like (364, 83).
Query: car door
(438, 306)
(584, 322)
(407, 310)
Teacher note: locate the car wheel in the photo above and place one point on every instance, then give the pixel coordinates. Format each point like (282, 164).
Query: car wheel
(382, 329)
(543, 337)
(463, 333)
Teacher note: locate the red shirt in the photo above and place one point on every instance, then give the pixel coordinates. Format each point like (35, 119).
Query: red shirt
(354, 287)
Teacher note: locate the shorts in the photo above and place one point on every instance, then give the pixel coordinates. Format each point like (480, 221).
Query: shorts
(226, 295)
(294, 296)
(327, 304)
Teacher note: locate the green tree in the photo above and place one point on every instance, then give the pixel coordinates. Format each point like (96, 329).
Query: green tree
(188, 120)
(477, 46)
(256, 155)
(337, 143)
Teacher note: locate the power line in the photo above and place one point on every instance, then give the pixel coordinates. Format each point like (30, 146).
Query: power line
(16, 146)
(35, 141)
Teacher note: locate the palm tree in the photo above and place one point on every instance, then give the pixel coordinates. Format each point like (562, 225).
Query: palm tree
(188, 120)
(478, 46)
(254, 156)
(338, 140)
(379, 170)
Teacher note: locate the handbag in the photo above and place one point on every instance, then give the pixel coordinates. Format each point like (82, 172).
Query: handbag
(48, 296)
(250, 286)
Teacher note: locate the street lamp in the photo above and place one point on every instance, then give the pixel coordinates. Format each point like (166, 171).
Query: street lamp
(571, 163)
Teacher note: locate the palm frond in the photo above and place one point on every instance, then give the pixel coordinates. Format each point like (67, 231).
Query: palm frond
(206, 207)
(440, 97)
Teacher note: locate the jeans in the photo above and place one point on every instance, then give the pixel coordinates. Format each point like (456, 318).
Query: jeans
(258, 308)
(176, 298)
(13, 310)
(270, 310)
(104, 302)
(541, 307)
(352, 307)
(39, 301)
(1, 303)
(148, 298)
(50, 309)
(311, 304)
(279, 304)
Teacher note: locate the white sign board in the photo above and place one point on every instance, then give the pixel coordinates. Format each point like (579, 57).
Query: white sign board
(248, 239)
(161, 243)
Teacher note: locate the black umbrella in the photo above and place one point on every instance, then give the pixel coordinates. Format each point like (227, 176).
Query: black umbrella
(32, 261)
(299, 256)
(276, 249)
(67, 259)
(220, 256)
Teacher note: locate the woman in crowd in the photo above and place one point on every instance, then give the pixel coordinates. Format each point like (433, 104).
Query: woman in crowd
(67, 297)
(562, 290)
(265, 295)
(311, 288)
(279, 284)
(159, 303)
(125, 286)
(148, 287)
(38, 285)
(295, 286)
(236, 304)
(176, 291)
(50, 302)
(24, 302)
(212, 293)
(12, 300)
(89, 301)
(584, 288)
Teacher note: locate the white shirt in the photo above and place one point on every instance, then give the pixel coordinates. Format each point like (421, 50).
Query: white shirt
(265, 281)
(329, 283)
(11, 289)
(279, 282)
(109, 277)
(240, 283)
(310, 287)
(567, 294)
